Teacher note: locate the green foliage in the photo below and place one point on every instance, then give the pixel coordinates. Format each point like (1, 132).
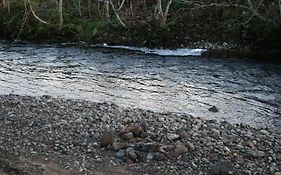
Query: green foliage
(186, 24)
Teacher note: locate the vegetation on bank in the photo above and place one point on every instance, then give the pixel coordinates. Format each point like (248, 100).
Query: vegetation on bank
(151, 23)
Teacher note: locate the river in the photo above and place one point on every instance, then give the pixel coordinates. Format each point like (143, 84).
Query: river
(244, 91)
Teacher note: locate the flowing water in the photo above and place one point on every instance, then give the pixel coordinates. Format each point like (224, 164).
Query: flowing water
(244, 91)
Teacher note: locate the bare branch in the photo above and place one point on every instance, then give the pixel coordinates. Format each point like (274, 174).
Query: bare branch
(34, 14)
(116, 14)
(121, 5)
(167, 10)
(230, 4)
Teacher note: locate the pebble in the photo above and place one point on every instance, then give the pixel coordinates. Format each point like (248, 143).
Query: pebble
(206, 142)
(128, 120)
(226, 149)
(121, 153)
(129, 136)
(107, 138)
(182, 134)
(118, 145)
(216, 131)
(264, 132)
(131, 153)
(149, 157)
(213, 109)
(222, 168)
(180, 148)
(173, 137)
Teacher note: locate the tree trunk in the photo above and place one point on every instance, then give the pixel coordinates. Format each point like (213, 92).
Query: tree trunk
(158, 9)
(280, 7)
(79, 8)
(107, 10)
(131, 8)
(159, 14)
(165, 15)
(89, 9)
(61, 15)
(6, 5)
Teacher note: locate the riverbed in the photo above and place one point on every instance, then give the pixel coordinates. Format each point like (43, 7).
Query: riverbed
(244, 91)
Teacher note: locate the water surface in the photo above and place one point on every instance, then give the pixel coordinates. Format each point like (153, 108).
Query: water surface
(244, 91)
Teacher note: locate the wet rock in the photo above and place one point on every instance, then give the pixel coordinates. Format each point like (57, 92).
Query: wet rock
(222, 168)
(213, 109)
(107, 138)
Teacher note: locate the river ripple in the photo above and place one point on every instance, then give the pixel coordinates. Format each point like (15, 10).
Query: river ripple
(243, 90)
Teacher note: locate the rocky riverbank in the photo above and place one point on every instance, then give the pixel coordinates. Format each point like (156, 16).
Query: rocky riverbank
(45, 135)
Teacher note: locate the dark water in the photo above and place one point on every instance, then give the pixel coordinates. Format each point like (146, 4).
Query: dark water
(243, 90)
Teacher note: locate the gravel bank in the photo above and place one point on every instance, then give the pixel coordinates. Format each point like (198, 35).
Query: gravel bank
(45, 135)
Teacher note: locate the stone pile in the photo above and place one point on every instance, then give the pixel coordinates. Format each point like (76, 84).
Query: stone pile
(136, 144)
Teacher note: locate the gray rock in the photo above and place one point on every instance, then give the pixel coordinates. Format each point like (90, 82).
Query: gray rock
(128, 120)
(182, 133)
(142, 124)
(120, 153)
(129, 136)
(160, 157)
(180, 148)
(213, 109)
(190, 146)
(131, 153)
(222, 168)
(260, 153)
(118, 145)
(149, 157)
(107, 138)
(141, 156)
(105, 118)
(256, 154)
(215, 131)
(173, 137)
(264, 132)
(226, 149)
